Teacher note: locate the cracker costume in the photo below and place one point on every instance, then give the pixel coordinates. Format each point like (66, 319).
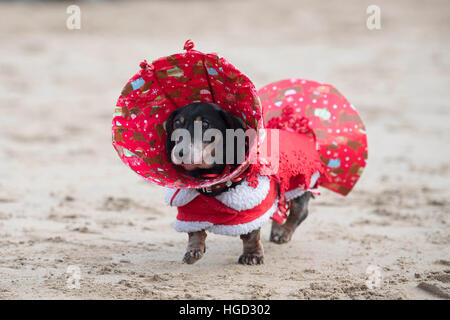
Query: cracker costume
(322, 140)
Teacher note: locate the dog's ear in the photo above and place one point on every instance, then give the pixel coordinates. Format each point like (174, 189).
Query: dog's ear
(231, 121)
(168, 125)
(169, 130)
(235, 123)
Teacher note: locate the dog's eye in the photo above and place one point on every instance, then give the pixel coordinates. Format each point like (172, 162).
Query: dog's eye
(205, 124)
(177, 124)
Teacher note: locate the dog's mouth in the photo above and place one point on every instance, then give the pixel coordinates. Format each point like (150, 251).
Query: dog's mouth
(204, 168)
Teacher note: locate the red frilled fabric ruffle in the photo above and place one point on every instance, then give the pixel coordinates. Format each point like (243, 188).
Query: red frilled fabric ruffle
(298, 161)
(320, 111)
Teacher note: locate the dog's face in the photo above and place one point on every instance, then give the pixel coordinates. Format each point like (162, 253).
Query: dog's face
(198, 155)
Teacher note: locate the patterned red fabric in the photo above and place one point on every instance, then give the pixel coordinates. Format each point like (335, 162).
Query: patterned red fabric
(148, 98)
(339, 131)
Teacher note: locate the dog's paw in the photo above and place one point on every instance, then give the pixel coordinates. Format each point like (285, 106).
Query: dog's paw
(193, 255)
(280, 235)
(251, 259)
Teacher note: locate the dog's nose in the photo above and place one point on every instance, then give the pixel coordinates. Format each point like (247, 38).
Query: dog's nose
(196, 152)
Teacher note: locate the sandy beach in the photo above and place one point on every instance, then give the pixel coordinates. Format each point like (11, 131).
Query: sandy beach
(67, 202)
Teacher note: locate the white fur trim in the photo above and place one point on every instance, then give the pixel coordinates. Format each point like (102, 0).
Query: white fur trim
(229, 230)
(314, 179)
(297, 192)
(294, 193)
(191, 226)
(244, 197)
(183, 197)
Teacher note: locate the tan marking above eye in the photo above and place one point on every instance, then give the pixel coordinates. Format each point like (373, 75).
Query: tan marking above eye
(199, 118)
(181, 119)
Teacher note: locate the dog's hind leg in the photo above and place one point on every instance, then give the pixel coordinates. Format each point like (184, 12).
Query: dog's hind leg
(253, 249)
(282, 233)
(196, 247)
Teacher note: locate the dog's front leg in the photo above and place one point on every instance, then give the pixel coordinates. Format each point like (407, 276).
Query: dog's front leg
(253, 249)
(196, 247)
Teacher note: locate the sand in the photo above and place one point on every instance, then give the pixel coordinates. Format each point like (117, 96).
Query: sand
(69, 206)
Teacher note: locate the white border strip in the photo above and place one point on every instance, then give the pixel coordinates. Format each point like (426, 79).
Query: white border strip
(297, 192)
(294, 193)
(228, 230)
